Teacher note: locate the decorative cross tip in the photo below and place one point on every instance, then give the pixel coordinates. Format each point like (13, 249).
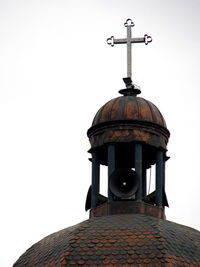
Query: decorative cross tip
(129, 22)
(110, 41)
(147, 39)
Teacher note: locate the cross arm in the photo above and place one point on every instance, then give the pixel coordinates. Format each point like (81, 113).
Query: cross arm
(146, 39)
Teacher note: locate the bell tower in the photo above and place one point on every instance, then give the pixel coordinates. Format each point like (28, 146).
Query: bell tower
(128, 135)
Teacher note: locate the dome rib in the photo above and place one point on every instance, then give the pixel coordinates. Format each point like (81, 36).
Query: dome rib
(138, 108)
(148, 104)
(115, 100)
(163, 121)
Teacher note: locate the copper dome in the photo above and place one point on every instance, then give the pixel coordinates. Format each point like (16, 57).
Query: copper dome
(129, 119)
(117, 240)
(129, 108)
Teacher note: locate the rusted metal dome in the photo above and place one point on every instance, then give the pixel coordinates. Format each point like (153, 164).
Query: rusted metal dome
(117, 240)
(129, 119)
(129, 108)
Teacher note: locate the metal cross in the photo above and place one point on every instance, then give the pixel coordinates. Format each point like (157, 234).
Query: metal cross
(129, 40)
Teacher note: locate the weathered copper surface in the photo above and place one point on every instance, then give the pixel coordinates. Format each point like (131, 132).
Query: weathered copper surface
(129, 119)
(117, 240)
(129, 108)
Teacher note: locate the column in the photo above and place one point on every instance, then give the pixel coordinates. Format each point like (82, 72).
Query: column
(144, 181)
(164, 173)
(138, 168)
(159, 177)
(111, 166)
(95, 178)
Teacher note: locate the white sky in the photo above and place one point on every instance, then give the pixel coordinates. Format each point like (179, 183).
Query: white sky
(56, 71)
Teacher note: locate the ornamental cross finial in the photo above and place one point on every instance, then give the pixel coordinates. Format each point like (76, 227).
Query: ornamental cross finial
(129, 40)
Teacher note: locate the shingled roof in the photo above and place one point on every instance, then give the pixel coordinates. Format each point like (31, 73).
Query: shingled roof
(117, 240)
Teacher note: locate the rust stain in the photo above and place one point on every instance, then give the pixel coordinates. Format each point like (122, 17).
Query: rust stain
(131, 112)
(141, 135)
(115, 111)
(145, 112)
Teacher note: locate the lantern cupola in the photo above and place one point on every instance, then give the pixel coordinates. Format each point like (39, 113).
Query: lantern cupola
(128, 135)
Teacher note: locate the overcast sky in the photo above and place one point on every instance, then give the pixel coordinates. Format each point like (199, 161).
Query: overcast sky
(56, 71)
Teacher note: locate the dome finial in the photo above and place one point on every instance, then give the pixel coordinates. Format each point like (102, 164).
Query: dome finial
(131, 89)
(129, 41)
